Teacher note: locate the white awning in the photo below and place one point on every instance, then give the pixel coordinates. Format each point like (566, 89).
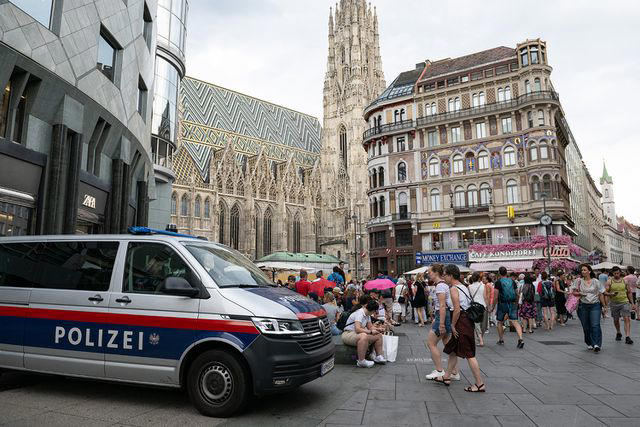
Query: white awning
(521, 265)
(276, 265)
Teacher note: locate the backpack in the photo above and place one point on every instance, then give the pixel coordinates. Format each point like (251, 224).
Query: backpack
(508, 291)
(475, 312)
(547, 290)
(342, 320)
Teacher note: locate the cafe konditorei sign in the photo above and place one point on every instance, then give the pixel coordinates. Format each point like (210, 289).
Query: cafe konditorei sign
(558, 251)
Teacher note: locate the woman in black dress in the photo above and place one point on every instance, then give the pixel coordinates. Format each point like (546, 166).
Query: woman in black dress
(561, 287)
(419, 298)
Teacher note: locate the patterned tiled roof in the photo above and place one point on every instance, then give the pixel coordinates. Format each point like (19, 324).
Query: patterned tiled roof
(214, 116)
(448, 66)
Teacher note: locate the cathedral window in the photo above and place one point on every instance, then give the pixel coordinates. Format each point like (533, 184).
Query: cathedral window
(196, 208)
(184, 205)
(234, 229)
(207, 209)
(221, 220)
(266, 233)
(296, 234)
(174, 204)
(343, 146)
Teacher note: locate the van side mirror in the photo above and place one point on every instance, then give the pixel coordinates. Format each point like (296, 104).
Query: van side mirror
(178, 286)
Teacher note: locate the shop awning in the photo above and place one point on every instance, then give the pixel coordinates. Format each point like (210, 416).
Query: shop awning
(509, 265)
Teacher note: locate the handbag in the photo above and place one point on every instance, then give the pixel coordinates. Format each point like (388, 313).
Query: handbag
(572, 303)
(475, 312)
(402, 299)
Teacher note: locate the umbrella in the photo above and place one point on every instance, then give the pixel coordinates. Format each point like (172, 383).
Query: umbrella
(379, 284)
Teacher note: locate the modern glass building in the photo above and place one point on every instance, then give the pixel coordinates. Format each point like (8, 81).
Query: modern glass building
(75, 120)
(169, 71)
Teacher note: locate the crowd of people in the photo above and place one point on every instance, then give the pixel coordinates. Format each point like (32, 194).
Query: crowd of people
(461, 309)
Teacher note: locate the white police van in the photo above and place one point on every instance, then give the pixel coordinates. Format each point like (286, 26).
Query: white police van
(157, 308)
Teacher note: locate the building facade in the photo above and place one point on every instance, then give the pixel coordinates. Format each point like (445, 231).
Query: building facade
(247, 172)
(464, 155)
(169, 72)
(74, 116)
(354, 78)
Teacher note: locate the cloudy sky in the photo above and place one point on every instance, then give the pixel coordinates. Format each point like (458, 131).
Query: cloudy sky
(276, 50)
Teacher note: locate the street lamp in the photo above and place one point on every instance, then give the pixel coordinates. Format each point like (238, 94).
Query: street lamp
(546, 220)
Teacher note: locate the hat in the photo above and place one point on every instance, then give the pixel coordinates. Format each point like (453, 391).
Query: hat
(521, 276)
(337, 289)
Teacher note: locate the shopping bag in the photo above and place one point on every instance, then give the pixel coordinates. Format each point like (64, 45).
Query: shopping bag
(397, 308)
(572, 303)
(390, 347)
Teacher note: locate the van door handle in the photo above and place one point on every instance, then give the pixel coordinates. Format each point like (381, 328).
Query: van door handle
(123, 300)
(96, 298)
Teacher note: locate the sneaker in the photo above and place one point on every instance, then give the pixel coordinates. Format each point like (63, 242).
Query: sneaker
(364, 364)
(596, 348)
(628, 340)
(379, 359)
(500, 342)
(434, 374)
(455, 377)
(618, 336)
(589, 347)
(520, 344)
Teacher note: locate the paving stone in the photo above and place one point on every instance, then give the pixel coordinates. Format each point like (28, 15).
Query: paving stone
(442, 407)
(485, 404)
(627, 405)
(382, 395)
(395, 413)
(621, 422)
(344, 416)
(514, 421)
(600, 411)
(448, 420)
(558, 415)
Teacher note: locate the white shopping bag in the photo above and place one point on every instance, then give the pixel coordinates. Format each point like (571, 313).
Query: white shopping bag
(390, 347)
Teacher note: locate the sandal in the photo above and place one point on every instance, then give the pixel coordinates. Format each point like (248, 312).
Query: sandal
(443, 381)
(479, 388)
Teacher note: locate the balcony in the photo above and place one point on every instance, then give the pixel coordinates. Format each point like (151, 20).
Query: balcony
(391, 127)
(488, 108)
(396, 217)
(406, 216)
(470, 209)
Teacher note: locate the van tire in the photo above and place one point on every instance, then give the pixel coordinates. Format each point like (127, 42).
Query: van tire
(217, 384)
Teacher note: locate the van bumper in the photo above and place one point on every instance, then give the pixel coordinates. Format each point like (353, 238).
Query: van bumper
(279, 365)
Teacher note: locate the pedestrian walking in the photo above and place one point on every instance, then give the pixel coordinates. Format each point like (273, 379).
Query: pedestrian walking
(480, 293)
(621, 303)
(561, 286)
(400, 300)
(632, 280)
(419, 298)
(547, 301)
(528, 307)
(507, 298)
(441, 328)
(590, 308)
(462, 342)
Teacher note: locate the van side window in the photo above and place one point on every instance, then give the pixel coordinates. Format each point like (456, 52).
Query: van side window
(148, 264)
(73, 265)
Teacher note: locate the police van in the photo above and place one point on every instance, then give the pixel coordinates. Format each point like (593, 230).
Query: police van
(160, 309)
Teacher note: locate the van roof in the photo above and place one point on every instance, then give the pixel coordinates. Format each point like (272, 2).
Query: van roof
(64, 237)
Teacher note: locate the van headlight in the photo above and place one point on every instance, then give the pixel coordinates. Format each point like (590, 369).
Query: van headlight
(277, 326)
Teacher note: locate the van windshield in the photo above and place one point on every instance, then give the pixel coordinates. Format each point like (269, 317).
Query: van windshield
(227, 267)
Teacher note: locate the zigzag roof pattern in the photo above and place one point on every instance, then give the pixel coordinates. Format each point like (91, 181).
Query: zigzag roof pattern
(217, 107)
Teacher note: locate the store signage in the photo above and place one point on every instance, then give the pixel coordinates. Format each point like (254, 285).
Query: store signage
(427, 258)
(560, 251)
(505, 255)
(89, 201)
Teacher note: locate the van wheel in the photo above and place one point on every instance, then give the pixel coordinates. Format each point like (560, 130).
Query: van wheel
(217, 384)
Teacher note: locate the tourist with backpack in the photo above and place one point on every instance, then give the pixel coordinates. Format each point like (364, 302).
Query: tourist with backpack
(547, 301)
(528, 307)
(507, 298)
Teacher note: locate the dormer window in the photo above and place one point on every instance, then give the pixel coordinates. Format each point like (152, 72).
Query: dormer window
(524, 57)
(534, 54)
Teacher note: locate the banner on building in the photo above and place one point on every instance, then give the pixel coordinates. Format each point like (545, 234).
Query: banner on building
(427, 258)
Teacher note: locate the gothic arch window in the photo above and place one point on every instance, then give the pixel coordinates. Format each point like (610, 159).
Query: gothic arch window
(458, 164)
(207, 208)
(434, 167)
(483, 160)
(343, 54)
(381, 176)
(606, 193)
(221, 220)
(485, 194)
(240, 187)
(234, 227)
(196, 207)
(266, 232)
(459, 197)
(174, 204)
(512, 191)
(301, 174)
(257, 232)
(184, 205)
(297, 234)
(509, 156)
(472, 195)
(402, 172)
(343, 146)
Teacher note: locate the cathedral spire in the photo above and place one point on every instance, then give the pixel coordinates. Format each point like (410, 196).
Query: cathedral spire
(605, 175)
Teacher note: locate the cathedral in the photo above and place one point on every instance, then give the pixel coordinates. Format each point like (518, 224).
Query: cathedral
(263, 178)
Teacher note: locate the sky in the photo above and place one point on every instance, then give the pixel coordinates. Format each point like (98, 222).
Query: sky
(276, 50)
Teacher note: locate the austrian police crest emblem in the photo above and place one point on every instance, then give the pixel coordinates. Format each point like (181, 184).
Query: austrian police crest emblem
(154, 339)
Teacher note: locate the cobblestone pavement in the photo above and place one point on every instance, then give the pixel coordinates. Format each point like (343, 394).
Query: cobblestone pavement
(554, 381)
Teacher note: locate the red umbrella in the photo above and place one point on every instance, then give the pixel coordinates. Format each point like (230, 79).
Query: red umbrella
(379, 284)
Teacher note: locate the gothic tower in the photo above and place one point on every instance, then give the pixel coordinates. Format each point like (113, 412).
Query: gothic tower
(608, 200)
(354, 78)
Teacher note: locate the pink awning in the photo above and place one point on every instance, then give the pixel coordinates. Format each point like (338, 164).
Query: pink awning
(509, 265)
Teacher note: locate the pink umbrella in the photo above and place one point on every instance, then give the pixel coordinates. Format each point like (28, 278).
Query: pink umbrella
(379, 284)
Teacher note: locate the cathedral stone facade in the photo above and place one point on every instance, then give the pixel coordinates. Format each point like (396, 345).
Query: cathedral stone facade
(263, 178)
(354, 78)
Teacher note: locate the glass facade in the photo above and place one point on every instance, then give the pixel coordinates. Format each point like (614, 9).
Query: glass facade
(15, 220)
(165, 100)
(172, 24)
